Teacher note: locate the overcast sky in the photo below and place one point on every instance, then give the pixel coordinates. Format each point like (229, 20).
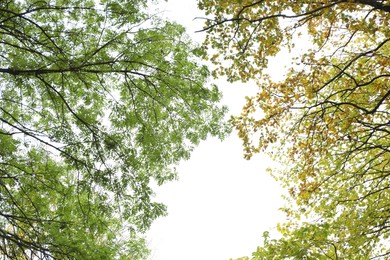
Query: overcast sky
(221, 204)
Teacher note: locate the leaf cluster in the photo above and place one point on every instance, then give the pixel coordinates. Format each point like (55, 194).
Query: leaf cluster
(328, 119)
(97, 99)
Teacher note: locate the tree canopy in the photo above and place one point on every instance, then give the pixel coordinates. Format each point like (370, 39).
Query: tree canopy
(328, 119)
(97, 99)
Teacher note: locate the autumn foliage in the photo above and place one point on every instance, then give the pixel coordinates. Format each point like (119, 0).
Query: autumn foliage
(328, 119)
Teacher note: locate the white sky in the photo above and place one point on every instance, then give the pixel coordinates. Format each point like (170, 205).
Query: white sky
(221, 204)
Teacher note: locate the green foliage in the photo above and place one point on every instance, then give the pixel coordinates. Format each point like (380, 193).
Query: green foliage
(327, 121)
(96, 100)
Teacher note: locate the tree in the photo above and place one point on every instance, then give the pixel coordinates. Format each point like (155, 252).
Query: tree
(97, 99)
(328, 119)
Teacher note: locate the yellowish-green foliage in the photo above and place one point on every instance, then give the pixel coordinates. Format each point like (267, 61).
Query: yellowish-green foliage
(98, 99)
(329, 119)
